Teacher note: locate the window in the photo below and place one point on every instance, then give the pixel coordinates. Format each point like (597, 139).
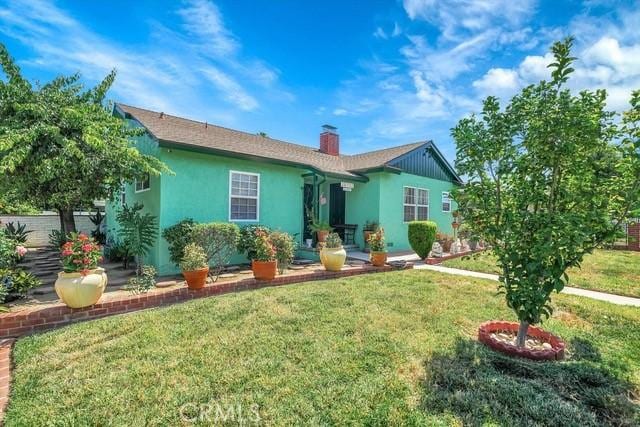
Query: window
(142, 184)
(446, 201)
(416, 204)
(244, 191)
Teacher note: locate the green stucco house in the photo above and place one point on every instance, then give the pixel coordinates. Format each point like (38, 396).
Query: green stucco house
(227, 175)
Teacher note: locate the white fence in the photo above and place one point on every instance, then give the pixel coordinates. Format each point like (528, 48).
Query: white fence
(41, 225)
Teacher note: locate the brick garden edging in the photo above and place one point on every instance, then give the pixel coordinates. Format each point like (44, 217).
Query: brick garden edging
(38, 318)
(438, 260)
(556, 352)
(5, 373)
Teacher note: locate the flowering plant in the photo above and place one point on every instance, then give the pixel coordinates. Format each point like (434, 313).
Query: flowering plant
(376, 241)
(80, 254)
(264, 249)
(21, 251)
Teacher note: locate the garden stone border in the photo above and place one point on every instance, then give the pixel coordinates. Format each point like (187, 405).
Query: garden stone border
(5, 373)
(556, 352)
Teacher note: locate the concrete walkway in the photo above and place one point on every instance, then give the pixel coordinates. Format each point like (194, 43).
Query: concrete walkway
(602, 296)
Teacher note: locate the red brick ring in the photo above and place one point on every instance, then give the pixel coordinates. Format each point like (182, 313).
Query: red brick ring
(556, 352)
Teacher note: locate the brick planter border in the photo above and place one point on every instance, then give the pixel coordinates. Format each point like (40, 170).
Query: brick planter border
(38, 318)
(5, 373)
(556, 352)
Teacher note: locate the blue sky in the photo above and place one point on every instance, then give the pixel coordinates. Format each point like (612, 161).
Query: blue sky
(384, 72)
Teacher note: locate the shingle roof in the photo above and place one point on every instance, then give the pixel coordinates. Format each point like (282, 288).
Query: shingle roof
(187, 132)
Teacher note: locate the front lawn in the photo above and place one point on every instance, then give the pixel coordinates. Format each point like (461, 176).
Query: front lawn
(615, 272)
(385, 349)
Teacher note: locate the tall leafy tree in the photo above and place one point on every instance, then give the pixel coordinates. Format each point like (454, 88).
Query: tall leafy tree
(60, 146)
(550, 177)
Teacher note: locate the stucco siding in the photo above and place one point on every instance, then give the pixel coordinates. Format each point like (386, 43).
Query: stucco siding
(392, 206)
(200, 190)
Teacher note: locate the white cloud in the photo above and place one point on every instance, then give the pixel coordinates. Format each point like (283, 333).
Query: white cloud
(170, 74)
(380, 34)
(455, 18)
(499, 82)
(202, 18)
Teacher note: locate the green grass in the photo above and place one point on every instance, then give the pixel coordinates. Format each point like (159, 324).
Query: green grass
(616, 272)
(386, 349)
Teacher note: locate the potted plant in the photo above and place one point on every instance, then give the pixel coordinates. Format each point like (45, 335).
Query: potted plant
(285, 248)
(263, 263)
(332, 254)
(194, 266)
(369, 228)
(82, 282)
(378, 247)
(321, 228)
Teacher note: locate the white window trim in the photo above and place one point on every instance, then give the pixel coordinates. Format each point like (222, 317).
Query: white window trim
(449, 200)
(231, 172)
(415, 205)
(135, 186)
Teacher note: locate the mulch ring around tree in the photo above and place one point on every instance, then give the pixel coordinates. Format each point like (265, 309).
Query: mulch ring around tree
(540, 344)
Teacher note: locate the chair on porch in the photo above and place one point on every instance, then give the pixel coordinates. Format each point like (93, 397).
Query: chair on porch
(347, 232)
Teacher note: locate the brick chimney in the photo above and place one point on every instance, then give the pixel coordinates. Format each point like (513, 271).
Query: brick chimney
(329, 140)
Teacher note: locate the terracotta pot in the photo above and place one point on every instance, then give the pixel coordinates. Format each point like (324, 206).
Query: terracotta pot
(196, 279)
(378, 259)
(556, 352)
(333, 258)
(322, 235)
(264, 270)
(77, 291)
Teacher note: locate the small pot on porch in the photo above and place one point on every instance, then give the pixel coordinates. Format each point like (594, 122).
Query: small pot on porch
(264, 270)
(321, 235)
(378, 258)
(78, 290)
(196, 279)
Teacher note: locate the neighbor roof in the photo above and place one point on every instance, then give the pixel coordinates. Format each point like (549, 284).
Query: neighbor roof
(180, 131)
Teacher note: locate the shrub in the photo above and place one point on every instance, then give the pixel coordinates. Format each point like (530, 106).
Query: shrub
(16, 283)
(57, 238)
(18, 233)
(143, 281)
(178, 236)
(80, 254)
(219, 241)
(376, 241)
(247, 241)
(422, 234)
(194, 258)
(138, 231)
(264, 250)
(333, 241)
(7, 251)
(285, 248)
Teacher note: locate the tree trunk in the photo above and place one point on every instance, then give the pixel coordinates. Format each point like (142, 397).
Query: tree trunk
(522, 333)
(67, 221)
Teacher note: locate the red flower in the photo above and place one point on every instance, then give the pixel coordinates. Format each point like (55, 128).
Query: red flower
(82, 237)
(86, 261)
(87, 247)
(77, 261)
(67, 252)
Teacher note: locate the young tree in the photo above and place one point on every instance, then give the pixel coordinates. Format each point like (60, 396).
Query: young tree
(550, 177)
(60, 146)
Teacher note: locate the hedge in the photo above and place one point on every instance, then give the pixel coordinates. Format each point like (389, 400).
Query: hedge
(422, 234)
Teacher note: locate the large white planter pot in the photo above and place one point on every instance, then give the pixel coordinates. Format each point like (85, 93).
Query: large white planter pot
(333, 258)
(77, 291)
